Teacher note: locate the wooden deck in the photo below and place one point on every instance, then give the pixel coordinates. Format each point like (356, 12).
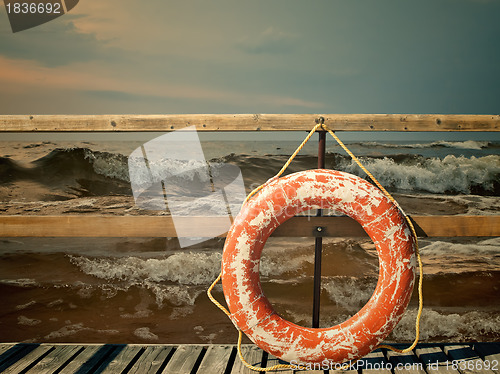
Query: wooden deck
(480, 358)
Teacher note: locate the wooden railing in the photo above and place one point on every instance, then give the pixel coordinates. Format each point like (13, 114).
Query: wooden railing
(248, 122)
(162, 226)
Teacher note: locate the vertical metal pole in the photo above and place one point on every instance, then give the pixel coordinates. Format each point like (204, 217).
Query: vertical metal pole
(319, 240)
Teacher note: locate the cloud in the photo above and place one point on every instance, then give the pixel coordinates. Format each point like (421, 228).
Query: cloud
(153, 28)
(284, 55)
(55, 43)
(97, 80)
(93, 76)
(269, 41)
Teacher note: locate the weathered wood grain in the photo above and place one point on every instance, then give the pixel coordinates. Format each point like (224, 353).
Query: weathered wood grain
(11, 353)
(163, 226)
(85, 355)
(405, 363)
(490, 353)
(470, 362)
(4, 348)
(54, 360)
(248, 122)
(252, 354)
(202, 359)
(151, 360)
(375, 362)
(27, 360)
(272, 360)
(121, 361)
(435, 360)
(89, 358)
(216, 359)
(183, 360)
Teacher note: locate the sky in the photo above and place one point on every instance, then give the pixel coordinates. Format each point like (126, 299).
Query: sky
(279, 56)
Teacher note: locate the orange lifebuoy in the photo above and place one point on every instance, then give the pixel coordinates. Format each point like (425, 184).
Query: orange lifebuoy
(280, 200)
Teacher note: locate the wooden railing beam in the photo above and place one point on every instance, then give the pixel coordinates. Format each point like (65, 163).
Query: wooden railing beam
(163, 226)
(248, 122)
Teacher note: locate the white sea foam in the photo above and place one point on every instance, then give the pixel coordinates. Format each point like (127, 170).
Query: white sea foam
(453, 173)
(181, 312)
(22, 282)
(456, 174)
(277, 263)
(23, 320)
(203, 206)
(108, 164)
(481, 257)
(481, 248)
(468, 144)
(188, 170)
(186, 270)
(114, 165)
(434, 325)
(437, 324)
(145, 333)
(72, 329)
(472, 204)
(55, 303)
(189, 268)
(27, 305)
(350, 293)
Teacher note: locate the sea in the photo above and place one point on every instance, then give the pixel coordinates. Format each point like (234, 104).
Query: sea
(152, 290)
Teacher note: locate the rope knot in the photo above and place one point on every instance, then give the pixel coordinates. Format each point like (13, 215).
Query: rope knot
(320, 120)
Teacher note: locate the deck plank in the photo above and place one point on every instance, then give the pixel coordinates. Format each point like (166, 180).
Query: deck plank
(273, 360)
(252, 354)
(183, 360)
(55, 359)
(470, 362)
(7, 351)
(22, 363)
(490, 353)
(216, 359)
(14, 353)
(405, 363)
(5, 348)
(121, 361)
(348, 367)
(88, 359)
(435, 360)
(151, 360)
(374, 362)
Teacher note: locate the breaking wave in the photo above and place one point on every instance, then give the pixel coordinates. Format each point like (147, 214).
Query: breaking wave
(452, 174)
(468, 144)
(102, 172)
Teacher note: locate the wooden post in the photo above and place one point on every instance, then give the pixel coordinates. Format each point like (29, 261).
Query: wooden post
(318, 245)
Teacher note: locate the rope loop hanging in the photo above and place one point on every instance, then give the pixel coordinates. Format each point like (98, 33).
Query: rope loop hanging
(320, 126)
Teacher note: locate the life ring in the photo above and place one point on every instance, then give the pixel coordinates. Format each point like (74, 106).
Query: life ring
(280, 200)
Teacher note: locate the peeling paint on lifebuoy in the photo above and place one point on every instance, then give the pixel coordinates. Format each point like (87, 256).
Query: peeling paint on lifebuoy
(274, 204)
